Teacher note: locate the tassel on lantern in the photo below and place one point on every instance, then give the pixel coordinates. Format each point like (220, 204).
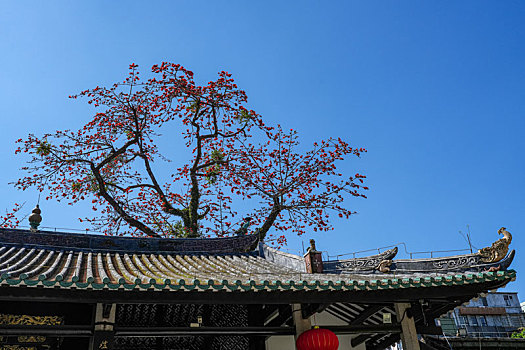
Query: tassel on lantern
(317, 339)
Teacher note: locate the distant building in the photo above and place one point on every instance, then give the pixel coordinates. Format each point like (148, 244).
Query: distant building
(495, 315)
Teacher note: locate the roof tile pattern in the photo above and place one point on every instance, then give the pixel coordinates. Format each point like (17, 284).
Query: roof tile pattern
(21, 265)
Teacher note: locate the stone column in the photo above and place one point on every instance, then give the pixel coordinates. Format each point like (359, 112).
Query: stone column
(408, 326)
(301, 324)
(103, 335)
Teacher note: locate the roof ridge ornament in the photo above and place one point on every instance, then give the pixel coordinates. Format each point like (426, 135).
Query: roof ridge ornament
(311, 248)
(313, 259)
(364, 264)
(498, 250)
(384, 266)
(35, 219)
(243, 230)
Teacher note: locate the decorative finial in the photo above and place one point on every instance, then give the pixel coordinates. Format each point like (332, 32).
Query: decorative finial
(244, 227)
(35, 219)
(311, 248)
(313, 259)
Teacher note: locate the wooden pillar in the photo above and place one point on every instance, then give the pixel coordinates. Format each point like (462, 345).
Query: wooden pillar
(408, 326)
(103, 335)
(301, 324)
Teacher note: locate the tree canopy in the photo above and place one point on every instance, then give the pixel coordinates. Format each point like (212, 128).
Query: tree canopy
(519, 334)
(239, 171)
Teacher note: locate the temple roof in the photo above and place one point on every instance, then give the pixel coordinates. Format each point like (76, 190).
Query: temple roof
(63, 260)
(71, 269)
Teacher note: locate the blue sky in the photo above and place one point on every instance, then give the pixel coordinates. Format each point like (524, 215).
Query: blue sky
(433, 90)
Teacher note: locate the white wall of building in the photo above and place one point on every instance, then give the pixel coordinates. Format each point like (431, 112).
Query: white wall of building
(320, 319)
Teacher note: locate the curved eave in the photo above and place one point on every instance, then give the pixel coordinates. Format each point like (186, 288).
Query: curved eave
(467, 262)
(366, 263)
(450, 264)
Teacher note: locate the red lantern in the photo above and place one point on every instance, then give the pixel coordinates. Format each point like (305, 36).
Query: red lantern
(317, 339)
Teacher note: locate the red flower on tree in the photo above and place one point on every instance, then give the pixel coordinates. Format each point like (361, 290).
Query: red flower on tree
(10, 220)
(111, 161)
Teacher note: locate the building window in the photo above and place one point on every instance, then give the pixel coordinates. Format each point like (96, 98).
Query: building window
(484, 301)
(507, 301)
(483, 320)
(473, 320)
(517, 320)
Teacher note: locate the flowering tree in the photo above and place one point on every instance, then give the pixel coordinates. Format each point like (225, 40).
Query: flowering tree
(10, 219)
(296, 190)
(110, 161)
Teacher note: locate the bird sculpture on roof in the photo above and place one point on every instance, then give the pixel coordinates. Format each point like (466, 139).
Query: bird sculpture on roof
(244, 227)
(498, 250)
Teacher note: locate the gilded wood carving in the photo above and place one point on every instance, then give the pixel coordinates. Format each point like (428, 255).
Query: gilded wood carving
(498, 250)
(27, 320)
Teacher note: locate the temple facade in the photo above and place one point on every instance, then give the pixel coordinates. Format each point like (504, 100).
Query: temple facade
(82, 291)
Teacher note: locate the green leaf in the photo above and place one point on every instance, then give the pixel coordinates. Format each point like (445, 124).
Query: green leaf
(43, 149)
